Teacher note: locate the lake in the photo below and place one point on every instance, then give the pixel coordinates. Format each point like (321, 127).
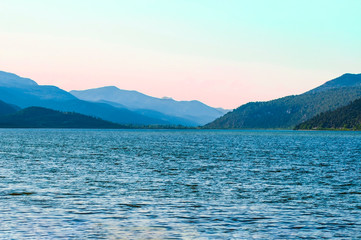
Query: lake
(179, 184)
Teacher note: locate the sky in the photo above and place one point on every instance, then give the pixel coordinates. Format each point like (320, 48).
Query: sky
(222, 52)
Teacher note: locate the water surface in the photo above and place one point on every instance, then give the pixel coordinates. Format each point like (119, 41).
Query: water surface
(171, 184)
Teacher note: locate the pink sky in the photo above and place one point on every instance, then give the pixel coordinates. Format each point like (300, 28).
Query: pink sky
(185, 50)
(216, 82)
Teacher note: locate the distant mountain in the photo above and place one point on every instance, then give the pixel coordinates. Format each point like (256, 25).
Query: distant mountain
(13, 80)
(7, 108)
(186, 112)
(24, 92)
(172, 120)
(347, 117)
(289, 111)
(38, 117)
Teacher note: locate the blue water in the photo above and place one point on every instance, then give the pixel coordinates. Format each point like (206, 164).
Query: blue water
(188, 184)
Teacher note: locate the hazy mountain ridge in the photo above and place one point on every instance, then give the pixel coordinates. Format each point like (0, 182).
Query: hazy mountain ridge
(155, 114)
(13, 80)
(347, 117)
(24, 92)
(191, 111)
(289, 111)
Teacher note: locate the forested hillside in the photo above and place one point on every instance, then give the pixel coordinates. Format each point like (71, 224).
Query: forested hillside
(347, 117)
(38, 117)
(289, 111)
(7, 108)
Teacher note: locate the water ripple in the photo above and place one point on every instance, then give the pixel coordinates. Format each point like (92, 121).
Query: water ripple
(151, 184)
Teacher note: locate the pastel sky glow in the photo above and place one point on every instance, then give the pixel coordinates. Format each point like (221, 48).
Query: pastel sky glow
(223, 53)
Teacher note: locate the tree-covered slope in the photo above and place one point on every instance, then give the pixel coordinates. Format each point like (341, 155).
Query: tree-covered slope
(289, 111)
(347, 117)
(38, 117)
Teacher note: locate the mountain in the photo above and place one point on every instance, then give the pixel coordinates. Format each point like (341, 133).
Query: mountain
(173, 120)
(38, 117)
(13, 80)
(24, 92)
(289, 111)
(346, 80)
(347, 117)
(186, 112)
(7, 108)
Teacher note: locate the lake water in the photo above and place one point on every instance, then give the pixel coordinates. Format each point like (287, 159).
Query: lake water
(187, 184)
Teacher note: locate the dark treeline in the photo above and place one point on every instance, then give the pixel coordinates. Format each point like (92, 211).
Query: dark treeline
(286, 112)
(38, 117)
(344, 118)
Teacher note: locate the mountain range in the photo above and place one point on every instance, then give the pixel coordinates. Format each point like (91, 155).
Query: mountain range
(24, 92)
(111, 107)
(289, 111)
(181, 112)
